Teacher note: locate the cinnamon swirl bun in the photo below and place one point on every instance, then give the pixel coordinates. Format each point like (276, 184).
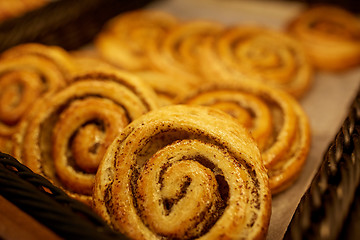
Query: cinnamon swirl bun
(330, 35)
(27, 73)
(275, 119)
(184, 172)
(71, 130)
(263, 55)
(178, 53)
(125, 40)
(54, 54)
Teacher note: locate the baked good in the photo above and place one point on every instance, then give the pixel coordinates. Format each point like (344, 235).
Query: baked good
(167, 87)
(330, 35)
(178, 52)
(275, 119)
(198, 51)
(184, 172)
(125, 40)
(252, 52)
(58, 56)
(66, 137)
(28, 72)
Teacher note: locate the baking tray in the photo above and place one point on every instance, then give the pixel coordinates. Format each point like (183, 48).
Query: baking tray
(319, 191)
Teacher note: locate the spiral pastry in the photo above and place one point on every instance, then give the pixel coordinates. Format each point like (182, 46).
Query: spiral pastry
(59, 57)
(184, 172)
(178, 51)
(24, 78)
(125, 40)
(68, 136)
(330, 35)
(264, 55)
(276, 121)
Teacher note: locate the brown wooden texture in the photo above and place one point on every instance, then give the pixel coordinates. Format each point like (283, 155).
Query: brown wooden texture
(15, 224)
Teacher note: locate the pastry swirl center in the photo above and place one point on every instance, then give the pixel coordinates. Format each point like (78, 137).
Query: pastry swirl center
(179, 185)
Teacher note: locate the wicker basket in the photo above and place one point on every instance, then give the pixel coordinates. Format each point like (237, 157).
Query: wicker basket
(49, 205)
(325, 206)
(69, 24)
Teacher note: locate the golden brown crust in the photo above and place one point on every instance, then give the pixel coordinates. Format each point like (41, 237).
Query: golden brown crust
(27, 73)
(283, 174)
(330, 36)
(67, 136)
(177, 53)
(264, 55)
(57, 56)
(125, 40)
(184, 172)
(276, 120)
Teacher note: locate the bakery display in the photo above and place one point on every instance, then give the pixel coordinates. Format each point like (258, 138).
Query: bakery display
(71, 130)
(275, 119)
(199, 51)
(256, 75)
(330, 35)
(135, 95)
(184, 172)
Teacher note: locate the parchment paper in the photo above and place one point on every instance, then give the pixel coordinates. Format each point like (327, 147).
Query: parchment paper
(326, 103)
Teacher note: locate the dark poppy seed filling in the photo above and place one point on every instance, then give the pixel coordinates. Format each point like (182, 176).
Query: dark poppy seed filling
(46, 136)
(170, 202)
(93, 149)
(205, 219)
